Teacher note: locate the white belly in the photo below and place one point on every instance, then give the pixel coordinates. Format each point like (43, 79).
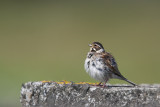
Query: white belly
(98, 74)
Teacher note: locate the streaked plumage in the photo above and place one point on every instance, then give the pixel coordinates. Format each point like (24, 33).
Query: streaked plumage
(101, 65)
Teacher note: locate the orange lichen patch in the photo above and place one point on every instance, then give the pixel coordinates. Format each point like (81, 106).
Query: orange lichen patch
(69, 82)
(64, 82)
(45, 81)
(87, 83)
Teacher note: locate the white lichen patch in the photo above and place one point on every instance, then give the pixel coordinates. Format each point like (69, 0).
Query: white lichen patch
(93, 88)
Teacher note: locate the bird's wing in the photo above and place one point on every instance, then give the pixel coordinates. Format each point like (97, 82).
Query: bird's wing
(111, 63)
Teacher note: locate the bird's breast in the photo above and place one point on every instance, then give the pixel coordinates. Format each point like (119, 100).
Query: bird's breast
(96, 68)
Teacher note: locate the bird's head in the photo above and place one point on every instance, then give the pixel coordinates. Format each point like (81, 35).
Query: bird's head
(96, 47)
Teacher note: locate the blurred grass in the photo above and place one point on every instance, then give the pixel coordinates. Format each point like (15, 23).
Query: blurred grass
(42, 40)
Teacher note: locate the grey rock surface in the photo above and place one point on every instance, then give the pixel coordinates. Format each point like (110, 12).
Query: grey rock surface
(51, 94)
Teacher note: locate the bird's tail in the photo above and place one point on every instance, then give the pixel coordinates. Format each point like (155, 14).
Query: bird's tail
(123, 78)
(130, 82)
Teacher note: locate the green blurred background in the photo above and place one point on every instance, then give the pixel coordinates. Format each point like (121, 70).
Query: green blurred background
(48, 40)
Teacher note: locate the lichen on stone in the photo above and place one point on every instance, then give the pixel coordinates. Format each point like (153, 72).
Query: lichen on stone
(70, 94)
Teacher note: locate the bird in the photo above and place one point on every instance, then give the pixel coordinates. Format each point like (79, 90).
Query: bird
(101, 65)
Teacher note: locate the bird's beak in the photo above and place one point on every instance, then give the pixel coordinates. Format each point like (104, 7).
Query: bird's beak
(89, 45)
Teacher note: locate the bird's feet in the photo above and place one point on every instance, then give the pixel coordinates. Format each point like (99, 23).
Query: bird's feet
(99, 85)
(104, 85)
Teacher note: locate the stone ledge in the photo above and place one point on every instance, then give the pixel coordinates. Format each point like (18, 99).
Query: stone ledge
(52, 94)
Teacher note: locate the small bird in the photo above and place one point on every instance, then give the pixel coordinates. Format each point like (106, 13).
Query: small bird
(101, 65)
